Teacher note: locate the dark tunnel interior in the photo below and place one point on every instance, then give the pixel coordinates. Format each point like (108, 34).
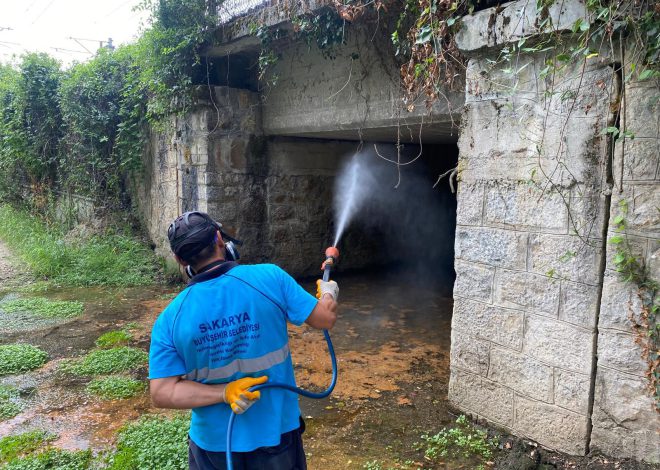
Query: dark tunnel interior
(408, 223)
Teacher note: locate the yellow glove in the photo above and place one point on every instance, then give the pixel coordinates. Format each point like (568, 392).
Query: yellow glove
(238, 396)
(327, 287)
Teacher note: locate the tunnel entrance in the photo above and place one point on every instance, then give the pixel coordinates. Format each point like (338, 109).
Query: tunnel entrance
(394, 332)
(408, 223)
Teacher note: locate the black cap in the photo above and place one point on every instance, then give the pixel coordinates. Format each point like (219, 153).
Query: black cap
(191, 232)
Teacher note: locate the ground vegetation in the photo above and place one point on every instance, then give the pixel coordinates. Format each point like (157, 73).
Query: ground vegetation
(110, 257)
(115, 387)
(20, 357)
(9, 406)
(12, 447)
(43, 307)
(152, 442)
(106, 361)
(113, 339)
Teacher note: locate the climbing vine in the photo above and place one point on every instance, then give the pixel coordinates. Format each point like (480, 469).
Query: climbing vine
(634, 271)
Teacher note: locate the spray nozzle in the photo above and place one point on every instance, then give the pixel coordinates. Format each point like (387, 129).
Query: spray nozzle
(331, 257)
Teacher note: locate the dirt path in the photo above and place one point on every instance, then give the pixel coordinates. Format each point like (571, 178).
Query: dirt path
(8, 270)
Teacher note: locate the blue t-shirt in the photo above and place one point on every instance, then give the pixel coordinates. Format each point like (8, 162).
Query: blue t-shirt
(227, 328)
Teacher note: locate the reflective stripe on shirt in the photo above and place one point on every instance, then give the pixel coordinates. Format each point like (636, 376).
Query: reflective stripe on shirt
(245, 366)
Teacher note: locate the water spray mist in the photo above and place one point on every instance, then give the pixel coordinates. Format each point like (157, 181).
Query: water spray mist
(353, 184)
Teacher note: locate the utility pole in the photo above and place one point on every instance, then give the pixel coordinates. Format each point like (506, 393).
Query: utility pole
(107, 44)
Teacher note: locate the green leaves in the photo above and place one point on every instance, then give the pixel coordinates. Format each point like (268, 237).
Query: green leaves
(424, 35)
(42, 307)
(19, 357)
(107, 361)
(153, 442)
(115, 387)
(461, 441)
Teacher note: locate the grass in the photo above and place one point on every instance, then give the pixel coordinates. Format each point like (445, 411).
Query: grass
(115, 387)
(44, 307)
(113, 259)
(107, 361)
(153, 442)
(12, 447)
(52, 459)
(113, 339)
(8, 406)
(16, 358)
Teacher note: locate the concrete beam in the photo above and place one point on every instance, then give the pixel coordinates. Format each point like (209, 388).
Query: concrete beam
(353, 94)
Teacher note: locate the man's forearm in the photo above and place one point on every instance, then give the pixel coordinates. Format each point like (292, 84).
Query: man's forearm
(187, 394)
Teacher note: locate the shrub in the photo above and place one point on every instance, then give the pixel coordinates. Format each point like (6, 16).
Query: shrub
(44, 307)
(107, 361)
(16, 358)
(115, 387)
(153, 442)
(113, 338)
(12, 447)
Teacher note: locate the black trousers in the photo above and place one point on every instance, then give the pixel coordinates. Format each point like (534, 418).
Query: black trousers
(288, 455)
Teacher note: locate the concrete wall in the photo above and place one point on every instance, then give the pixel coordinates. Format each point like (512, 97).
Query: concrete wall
(356, 90)
(531, 350)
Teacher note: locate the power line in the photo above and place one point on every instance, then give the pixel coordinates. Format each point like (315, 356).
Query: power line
(114, 10)
(6, 28)
(102, 43)
(43, 11)
(30, 5)
(78, 41)
(62, 49)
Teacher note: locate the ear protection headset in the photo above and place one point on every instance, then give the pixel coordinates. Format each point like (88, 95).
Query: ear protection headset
(178, 240)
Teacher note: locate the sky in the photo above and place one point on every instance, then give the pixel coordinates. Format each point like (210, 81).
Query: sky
(49, 26)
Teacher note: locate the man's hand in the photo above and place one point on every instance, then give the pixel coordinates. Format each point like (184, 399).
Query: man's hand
(327, 287)
(238, 396)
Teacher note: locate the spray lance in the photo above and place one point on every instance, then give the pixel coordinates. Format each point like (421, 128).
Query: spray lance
(331, 257)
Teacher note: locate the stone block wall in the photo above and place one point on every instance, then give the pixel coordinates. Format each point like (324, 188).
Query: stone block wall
(529, 251)
(541, 341)
(275, 194)
(205, 161)
(624, 420)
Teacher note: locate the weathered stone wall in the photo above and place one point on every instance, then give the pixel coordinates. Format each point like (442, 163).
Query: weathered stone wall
(531, 350)
(207, 161)
(624, 421)
(528, 253)
(275, 194)
(300, 190)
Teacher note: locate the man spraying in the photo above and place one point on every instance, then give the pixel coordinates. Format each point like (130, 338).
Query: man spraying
(225, 333)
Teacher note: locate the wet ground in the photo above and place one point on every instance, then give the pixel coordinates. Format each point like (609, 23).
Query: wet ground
(392, 341)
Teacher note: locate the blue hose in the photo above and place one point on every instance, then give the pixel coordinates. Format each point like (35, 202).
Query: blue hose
(291, 388)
